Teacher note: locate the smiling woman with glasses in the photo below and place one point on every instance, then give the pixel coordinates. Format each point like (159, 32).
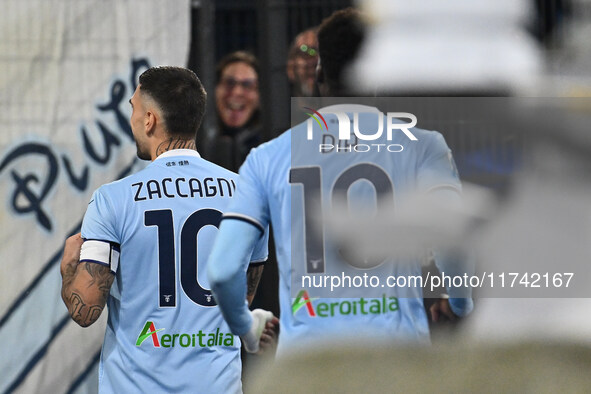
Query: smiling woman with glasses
(237, 93)
(237, 102)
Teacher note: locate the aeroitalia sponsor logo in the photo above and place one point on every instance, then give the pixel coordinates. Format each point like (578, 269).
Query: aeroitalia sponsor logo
(361, 306)
(148, 331)
(198, 339)
(303, 300)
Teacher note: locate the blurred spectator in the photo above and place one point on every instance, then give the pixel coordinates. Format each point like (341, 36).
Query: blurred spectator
(301, 64)
(238, 110)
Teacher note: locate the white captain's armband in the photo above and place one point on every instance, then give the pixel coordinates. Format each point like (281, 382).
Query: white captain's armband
(101, 252)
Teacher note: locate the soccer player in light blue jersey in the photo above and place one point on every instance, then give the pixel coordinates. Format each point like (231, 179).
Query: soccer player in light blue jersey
(144, 243)
(282, 180)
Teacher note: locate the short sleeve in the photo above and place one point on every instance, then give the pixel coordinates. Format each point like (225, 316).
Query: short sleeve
(101, 243)
(250, 203)
(99, 223)
(260, 254)
(437, 168)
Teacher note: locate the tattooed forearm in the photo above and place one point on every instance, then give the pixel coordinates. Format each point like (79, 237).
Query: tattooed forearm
(75, 306)
(253, 276)
(101, 277)
(85, 290)
(93, 313)
(68, 273)
(85, 286)
(81, 313)
(175, 143)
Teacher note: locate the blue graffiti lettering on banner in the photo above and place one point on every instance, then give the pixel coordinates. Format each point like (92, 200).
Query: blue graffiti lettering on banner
(29, 201)
(31, 189)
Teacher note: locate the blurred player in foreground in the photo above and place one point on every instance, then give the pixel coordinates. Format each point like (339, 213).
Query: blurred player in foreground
(144, 246)
(267, 180)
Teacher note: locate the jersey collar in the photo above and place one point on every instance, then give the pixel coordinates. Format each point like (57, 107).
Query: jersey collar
(179, 152)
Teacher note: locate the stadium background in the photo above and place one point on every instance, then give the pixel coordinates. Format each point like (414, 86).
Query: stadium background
(67, 69)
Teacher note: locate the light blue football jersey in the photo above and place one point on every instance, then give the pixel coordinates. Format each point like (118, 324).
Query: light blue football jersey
(281, 183)
(165, 333)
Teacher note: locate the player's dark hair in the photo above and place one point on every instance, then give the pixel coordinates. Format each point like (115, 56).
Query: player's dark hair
(339, 39)
(236, 57)
(179, 94)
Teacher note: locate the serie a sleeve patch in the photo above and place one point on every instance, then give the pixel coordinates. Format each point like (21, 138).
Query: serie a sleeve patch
(101, 252)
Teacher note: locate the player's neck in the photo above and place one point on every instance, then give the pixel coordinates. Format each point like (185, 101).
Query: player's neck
(172, 143)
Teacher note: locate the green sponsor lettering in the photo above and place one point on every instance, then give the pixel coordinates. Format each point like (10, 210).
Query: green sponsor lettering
(374, 307)
(362, 306)
(165, 340)
(362, 303)
(200, 334)
(229, 340)
(393, 306)
(199, 339)
(333, 305)
(185, 340)
(343, 311)
(321, 309)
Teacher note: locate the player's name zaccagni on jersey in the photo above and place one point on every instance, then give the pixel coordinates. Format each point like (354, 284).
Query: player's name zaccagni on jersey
(183, 187)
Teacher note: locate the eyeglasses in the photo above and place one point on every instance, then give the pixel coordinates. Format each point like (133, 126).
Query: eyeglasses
(308, 50)
(249, 85)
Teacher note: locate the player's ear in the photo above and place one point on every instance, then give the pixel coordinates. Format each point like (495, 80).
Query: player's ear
(150, 121)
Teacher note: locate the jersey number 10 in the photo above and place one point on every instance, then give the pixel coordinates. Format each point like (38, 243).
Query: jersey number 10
(163, 220)
(311, 180)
